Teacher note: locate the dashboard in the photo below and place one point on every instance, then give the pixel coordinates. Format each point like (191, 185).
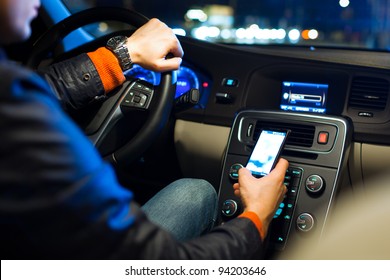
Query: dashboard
(350, 83)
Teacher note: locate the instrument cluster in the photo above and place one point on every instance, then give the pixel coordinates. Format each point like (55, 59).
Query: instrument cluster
(187, 79)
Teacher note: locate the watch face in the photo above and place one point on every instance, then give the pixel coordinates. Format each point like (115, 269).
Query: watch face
(115, 41)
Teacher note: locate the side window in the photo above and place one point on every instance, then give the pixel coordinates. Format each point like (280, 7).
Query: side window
(78, 5)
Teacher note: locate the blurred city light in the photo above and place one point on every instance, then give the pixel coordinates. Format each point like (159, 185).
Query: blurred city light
(200, 33)
(213, 32)
(196, 14)
(313, 34)
(294, 35)
(179, 31)
(205, 32)
(241, 33)
(226, 34)
(344, 3)
(310, 34)
(305, 34)
(216, 23)
(103, 27)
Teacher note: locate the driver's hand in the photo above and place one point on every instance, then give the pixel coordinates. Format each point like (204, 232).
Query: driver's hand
(262, 196)
(150, 45)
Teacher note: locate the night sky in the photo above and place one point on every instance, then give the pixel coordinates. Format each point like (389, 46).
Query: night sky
(296, 12)
(325, 15)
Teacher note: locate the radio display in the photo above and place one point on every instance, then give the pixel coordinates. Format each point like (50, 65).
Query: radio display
(304, 97)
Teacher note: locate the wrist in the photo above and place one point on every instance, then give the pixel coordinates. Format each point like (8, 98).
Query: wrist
(132, 48)
(118, 46)
(108, 69)
(261, 228)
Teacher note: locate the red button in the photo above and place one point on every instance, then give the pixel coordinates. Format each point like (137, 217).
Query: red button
(323, 138)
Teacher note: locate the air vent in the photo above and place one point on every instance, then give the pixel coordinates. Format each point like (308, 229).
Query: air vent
(301, 135)
(369, 93)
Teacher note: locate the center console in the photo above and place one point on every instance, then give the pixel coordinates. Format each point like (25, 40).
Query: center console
(317, 149)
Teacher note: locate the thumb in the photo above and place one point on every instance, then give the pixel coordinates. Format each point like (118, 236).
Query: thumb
(170, 64)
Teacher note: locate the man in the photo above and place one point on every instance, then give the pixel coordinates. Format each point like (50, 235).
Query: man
(59, 199)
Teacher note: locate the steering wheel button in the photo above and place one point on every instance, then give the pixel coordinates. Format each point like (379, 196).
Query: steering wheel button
(147, 89)
(136, 99)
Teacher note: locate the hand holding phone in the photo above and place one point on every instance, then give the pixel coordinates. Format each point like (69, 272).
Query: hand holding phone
(266, 152)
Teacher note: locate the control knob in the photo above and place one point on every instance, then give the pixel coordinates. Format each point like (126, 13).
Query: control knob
(229, 207)
(315, 184)
(305, 222)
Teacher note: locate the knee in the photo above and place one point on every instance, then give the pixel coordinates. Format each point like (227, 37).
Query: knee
(197, 190)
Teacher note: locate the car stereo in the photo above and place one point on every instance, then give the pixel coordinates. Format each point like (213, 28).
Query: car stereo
(312, 179)
(304, 97)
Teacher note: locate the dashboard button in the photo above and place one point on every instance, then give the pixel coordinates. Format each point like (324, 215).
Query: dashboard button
(229, 208)
(305, 222)
(315, 184)
(323, 138)
(223, 98)
(233, 172)
(230, 82)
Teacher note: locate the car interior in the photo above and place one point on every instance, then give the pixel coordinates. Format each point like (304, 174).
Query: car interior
(332, 99)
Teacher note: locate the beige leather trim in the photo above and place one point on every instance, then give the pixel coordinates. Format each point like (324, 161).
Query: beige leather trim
(200, 149)
(375, 161)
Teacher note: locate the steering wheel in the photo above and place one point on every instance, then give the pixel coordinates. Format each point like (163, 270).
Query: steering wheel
(159, 98)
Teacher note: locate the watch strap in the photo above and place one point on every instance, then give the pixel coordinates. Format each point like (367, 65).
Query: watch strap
(118, 46)
(122, 53)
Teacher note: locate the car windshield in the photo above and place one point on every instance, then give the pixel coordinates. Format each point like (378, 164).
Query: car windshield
(363, 24)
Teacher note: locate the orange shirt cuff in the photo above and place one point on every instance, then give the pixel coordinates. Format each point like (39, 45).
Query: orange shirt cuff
(256, 220)
(108, 68)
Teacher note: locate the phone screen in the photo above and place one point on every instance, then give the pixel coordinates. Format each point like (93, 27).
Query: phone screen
(266, 152)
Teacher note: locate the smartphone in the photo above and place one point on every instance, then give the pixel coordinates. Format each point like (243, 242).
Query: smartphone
(267, 151)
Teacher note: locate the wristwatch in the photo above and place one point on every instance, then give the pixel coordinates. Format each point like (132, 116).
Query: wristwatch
(118, 46)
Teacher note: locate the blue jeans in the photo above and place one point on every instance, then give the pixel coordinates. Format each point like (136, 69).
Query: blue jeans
(186, 208)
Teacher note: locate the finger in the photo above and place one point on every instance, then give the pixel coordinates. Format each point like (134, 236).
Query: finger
(170, 64)
(177, 50)
(243, 172)
(280, 168)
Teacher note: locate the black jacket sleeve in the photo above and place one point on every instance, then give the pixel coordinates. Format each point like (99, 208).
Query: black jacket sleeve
(75, 81)
(237, 239)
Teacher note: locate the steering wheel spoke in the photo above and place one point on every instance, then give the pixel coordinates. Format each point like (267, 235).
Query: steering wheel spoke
(138, 96)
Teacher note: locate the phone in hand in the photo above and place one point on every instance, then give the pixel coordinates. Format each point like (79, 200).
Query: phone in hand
(267, 151)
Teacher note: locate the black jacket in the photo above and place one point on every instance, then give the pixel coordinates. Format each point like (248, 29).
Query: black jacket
(60, 200)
